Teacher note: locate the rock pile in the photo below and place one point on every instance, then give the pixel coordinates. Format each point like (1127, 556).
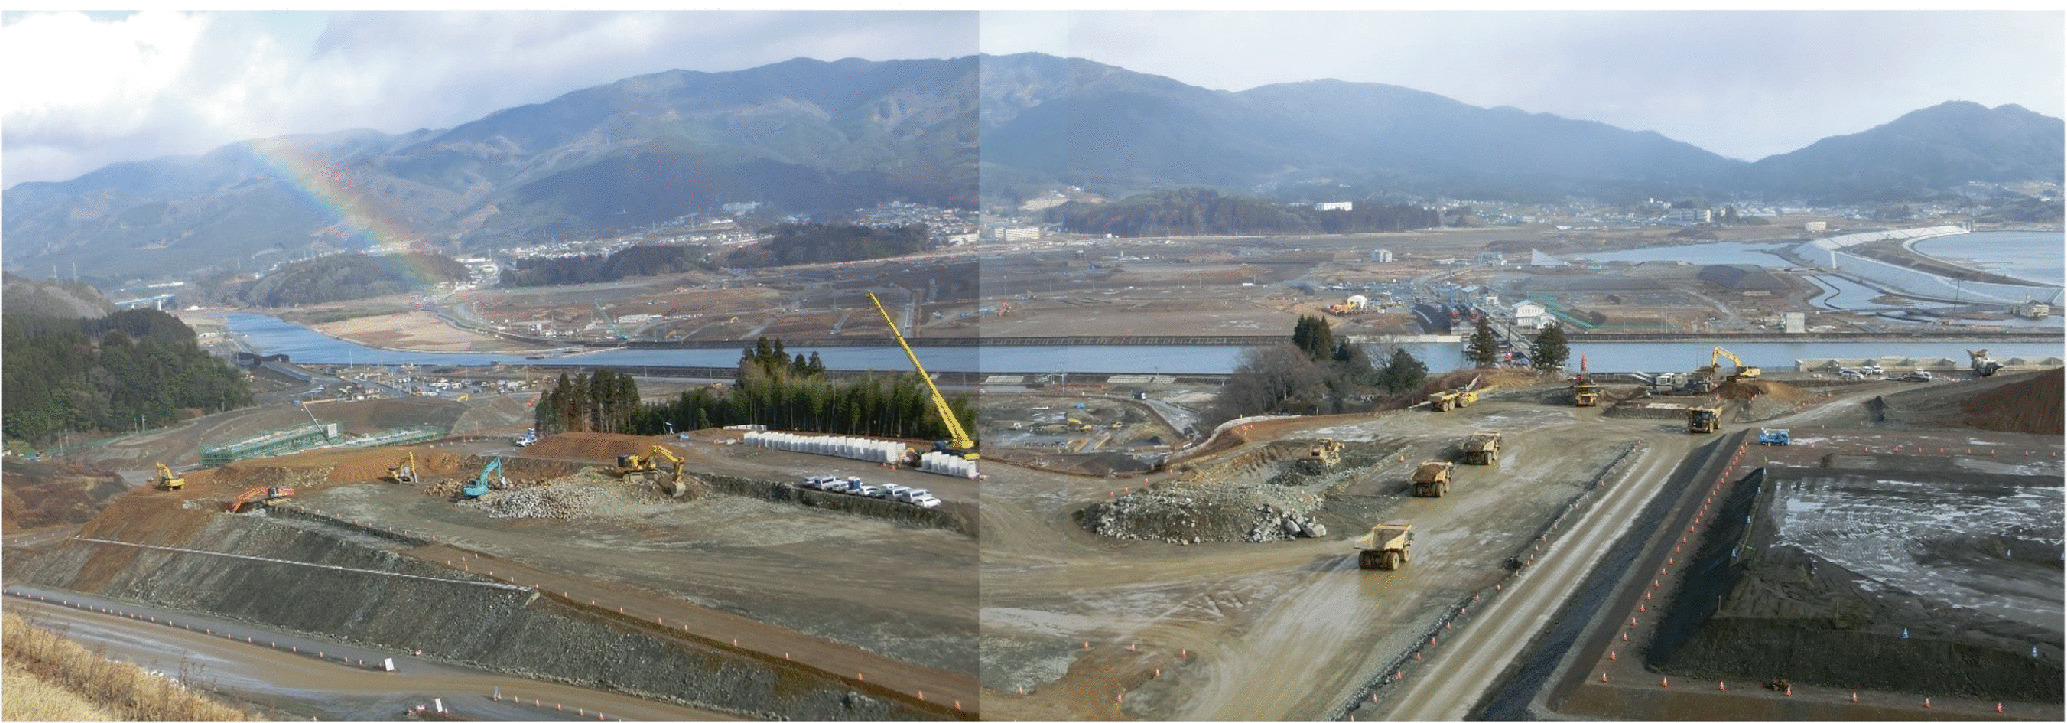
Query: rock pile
(554, 501)
(1195, 512)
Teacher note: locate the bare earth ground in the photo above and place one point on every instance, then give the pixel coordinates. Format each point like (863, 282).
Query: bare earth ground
(417, 330)
(1265, 631)
(901, 592)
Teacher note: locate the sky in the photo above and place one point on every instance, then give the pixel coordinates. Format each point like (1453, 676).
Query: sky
(82, 90)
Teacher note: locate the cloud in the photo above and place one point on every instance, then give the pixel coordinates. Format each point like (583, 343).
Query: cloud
(153, 84)
(1744, 84)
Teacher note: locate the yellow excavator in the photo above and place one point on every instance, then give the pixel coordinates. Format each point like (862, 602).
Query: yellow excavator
(1715, 366)
(959, 443)
(169, 481)
(404, 473)
(628, 464)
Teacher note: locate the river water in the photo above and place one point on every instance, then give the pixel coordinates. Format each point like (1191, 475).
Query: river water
(2029, 255)
(268, 335)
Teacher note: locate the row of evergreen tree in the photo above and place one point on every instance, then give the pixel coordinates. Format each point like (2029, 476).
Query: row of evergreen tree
(772, 389)
(1548, 351)
(122, 372)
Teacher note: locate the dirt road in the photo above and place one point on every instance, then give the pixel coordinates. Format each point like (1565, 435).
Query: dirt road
(1472, 659)
(279, 671)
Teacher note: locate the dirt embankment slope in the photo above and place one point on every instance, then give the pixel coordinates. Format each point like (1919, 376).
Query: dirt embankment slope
(2030, 406)
(41, 494)
(325, 580)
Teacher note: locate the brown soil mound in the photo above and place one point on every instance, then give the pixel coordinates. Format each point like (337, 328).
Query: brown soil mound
(2030, 406)
(375, 415)
(595, 446)
(38, 494)
(1738, 389)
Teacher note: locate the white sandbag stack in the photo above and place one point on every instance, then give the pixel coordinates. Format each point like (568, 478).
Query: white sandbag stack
(947, 464)
(861, 448)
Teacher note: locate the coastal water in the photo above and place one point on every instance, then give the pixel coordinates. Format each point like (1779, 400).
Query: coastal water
(268, 335)
(2029, 255)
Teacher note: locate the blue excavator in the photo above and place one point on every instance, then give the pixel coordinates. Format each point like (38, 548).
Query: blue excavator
(480, 486)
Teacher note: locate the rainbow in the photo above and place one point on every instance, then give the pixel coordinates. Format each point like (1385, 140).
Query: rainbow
(338, 191)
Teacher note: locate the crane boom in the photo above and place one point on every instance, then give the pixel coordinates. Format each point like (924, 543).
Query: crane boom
(961, 443)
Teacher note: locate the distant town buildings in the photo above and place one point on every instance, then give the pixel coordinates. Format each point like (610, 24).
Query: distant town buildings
(1530, 315)
(1690, 215)
(1015, 233)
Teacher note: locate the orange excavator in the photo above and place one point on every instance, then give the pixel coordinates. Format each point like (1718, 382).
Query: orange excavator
(259, 496)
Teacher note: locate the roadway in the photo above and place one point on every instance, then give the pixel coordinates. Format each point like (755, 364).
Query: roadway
(1472, 659)
(282, 672)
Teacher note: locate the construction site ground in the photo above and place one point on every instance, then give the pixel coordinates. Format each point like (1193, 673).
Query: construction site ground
(1080, 626)
(1933, 553)
(901, 592)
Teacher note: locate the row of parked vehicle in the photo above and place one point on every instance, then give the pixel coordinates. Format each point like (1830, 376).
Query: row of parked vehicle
(854, 486)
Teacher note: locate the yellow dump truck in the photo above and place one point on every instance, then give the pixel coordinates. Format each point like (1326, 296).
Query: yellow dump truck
(1585, 394)
(1321, 457)
(1482, 448)
(1702, 420)
(1385, 547)
(1432, 479)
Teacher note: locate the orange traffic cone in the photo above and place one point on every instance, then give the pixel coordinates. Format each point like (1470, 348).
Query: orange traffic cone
(1926, 702)
(1664, 682)
(1720, 685)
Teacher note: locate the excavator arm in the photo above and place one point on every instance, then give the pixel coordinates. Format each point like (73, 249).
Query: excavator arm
(960, 442)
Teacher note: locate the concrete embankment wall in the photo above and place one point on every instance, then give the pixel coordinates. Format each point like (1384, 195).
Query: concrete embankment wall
(357, 589)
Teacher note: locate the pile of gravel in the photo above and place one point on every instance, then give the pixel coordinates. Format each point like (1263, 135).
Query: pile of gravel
(1194, 512)
(553, 501)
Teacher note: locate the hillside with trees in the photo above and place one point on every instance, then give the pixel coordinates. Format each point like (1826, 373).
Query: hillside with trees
(343, 277)
(652, 260)
(118, 373)
(51, 297)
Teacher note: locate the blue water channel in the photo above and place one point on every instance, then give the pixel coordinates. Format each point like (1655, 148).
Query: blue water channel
(268, 335)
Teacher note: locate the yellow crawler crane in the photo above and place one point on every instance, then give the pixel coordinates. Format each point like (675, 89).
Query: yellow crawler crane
(959, 443)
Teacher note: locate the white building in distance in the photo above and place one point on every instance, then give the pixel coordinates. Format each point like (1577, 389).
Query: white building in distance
(1530, 315)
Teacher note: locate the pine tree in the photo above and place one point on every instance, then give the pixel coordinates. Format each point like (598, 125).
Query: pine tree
(1402, 373)
(1483, 349)
(1312, 335)
(1549, 351)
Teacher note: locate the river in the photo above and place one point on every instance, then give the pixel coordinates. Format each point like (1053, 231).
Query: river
(2030, 255)
(269, 335)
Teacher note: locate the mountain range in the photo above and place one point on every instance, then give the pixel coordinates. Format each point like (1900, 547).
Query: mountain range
(807, 136)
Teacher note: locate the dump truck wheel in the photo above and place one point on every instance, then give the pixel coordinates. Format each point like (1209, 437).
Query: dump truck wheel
(1405, 556)
(1442, 488)
(1367, 559)
(1389, 560)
